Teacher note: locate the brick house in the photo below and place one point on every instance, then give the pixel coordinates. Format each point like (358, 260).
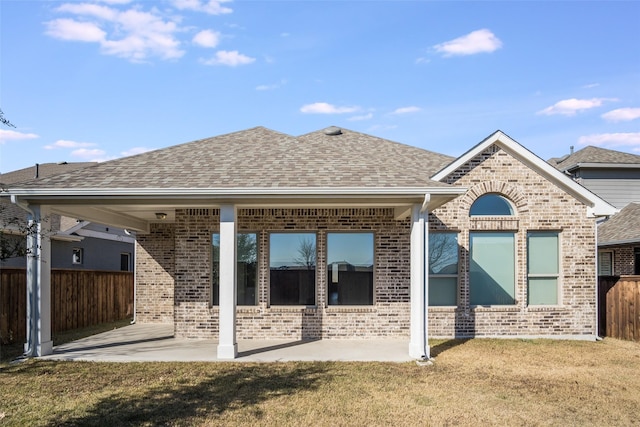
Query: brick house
(337, 234)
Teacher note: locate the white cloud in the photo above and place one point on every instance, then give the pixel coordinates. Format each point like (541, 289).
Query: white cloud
(211, 7)
(591, 85)
(68, 29)
(89, 9)
(613, 140)
(207, 38)
(230, 58)
(406, 110)
(131, 33)
(569, 107)
(480, 41)
(12, 135)
(271, 86)
(367, 116)
(135, 150)
(85, 153)
(64, 143)
(622, 115)
(324, 108)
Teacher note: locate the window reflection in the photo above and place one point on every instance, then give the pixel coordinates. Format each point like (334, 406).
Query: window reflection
(292, 265)
(247, 268)
(350, 268)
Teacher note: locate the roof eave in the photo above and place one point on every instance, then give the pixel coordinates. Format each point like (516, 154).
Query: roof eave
(182, 193)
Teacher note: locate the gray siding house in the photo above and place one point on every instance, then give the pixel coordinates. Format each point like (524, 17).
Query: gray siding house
(614, 176)
(337, 234)
(76, 243)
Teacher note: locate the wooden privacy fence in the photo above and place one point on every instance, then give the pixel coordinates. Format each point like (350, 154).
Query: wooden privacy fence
(79, 298)
(619, 307)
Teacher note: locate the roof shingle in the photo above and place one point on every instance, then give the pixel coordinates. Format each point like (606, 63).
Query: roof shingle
(622, 227)
(263, 158)
(591, 154)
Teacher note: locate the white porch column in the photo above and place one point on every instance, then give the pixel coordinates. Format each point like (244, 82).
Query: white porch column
(418, 345)
(39, 341)
(227, 345)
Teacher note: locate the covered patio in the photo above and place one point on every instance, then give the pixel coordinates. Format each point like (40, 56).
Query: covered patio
(156, 343)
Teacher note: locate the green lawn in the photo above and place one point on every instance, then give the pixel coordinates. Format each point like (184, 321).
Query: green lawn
(475, 382)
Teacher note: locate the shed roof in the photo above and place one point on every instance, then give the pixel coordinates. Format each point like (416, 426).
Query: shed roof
(622, 228)
(263, 158)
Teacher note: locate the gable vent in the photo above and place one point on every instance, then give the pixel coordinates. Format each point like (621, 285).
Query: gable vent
(332, 131)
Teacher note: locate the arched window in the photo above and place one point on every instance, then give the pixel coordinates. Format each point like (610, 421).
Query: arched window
(492, 253)
(491, 205)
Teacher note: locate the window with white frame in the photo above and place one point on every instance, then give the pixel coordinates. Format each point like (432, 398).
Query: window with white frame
(125, 261)
(77, 256)
(350, 268)
(246, 271)
(443, 268)
(543, 267)
(292, 269)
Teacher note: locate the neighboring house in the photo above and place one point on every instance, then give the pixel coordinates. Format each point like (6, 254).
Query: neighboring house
(337, 234)
(619, 243)
(615, 177)
(76, 244)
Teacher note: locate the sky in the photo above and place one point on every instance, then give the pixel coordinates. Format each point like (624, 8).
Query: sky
(97, 80)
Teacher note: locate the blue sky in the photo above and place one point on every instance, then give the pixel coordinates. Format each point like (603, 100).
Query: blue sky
(97, 80)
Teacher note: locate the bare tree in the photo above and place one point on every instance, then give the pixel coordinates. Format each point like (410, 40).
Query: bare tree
(5, 121)
(306, 254)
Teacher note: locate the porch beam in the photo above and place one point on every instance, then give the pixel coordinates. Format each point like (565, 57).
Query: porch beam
(227, 344)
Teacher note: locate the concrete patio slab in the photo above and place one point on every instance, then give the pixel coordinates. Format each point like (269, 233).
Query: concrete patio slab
(156, 343)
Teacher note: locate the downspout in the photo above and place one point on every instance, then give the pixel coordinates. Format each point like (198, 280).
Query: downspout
(32, 277)
(425, 210)
(597, 334)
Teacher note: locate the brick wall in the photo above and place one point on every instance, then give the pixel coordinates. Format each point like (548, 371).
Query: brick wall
(539, 205)
(174, 277)
(623, 260)
(155, 266)
(389, 317)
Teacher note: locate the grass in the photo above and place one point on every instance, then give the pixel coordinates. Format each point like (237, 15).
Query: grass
(474, 382)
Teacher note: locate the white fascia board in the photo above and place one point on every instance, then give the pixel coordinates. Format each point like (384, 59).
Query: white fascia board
(596, 205)
(105, 236)
(588, 165)
(228, 192)
(66, 237)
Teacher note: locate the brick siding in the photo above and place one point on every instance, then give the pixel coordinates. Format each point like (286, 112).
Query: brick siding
(174, 267)
(539, 205)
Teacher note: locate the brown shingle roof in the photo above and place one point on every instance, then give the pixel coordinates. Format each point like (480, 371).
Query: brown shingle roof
(43, 170)
(622, 227)
(263, 158)
(592, 154)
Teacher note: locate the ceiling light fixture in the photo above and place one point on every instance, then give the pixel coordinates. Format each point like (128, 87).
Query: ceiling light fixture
(161, 215)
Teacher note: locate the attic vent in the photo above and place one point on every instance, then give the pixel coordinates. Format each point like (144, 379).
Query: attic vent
(332, 131)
